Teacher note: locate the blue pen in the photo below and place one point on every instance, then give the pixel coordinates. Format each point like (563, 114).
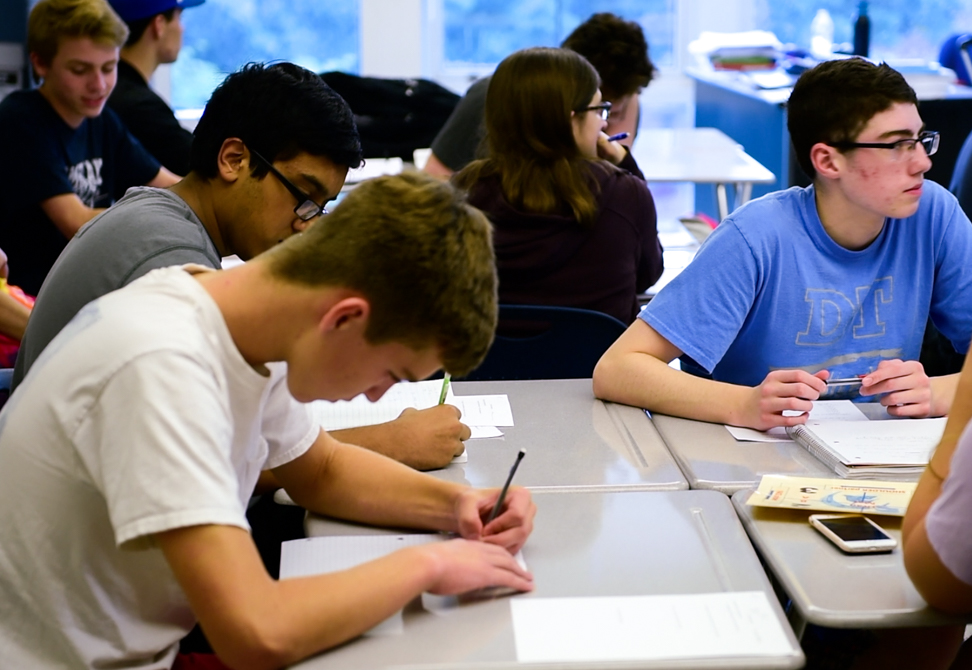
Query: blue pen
(619, 136)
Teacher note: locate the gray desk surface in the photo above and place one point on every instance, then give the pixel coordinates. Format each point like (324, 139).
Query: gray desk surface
(573, 442)
(831, 588)
(711, 458)
(583, 544)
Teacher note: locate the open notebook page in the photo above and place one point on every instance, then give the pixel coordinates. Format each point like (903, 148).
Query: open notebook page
(823, 410)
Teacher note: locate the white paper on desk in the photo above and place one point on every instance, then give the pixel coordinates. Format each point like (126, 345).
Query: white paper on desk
(483, 432)
(478, 411)
(484, 410)
(635, 628)
(823, 410)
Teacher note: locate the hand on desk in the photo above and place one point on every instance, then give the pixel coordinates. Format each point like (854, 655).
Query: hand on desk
(461, 566)
(781, 390)
(509, 530)
(424, 439)
(907, 389)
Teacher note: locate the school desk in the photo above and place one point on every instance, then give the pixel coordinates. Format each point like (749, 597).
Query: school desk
(584, 544)
(828, 587)
(573, 442)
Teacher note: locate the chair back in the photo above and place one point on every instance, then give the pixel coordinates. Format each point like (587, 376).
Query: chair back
(961, 184)
(556, 343)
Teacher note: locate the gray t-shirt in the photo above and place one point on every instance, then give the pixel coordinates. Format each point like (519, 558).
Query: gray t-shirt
(147, 229)
(947, 522)
(457, 142)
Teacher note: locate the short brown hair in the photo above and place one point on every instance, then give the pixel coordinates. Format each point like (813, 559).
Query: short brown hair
(51, 20)
(833, 102)
(618, 51)
(420, 255)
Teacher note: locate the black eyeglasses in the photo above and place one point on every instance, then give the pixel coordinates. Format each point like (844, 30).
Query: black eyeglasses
(928, 140)
(603, 110)
(306, 208)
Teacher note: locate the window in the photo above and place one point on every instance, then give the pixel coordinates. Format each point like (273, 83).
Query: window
(222, 35)
(486, 31)
(899, 28)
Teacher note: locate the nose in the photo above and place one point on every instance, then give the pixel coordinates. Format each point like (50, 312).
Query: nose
(98, 81)
(375, 392)
(922, 160)
(300, 225)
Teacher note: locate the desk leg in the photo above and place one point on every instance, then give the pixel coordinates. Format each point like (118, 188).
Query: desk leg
(722, 201)
(744, 191)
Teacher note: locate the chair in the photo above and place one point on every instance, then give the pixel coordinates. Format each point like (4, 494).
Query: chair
(564, 343)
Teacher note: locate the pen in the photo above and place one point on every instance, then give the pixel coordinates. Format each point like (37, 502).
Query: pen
(445, 388)
(499, 501)
(619, 136)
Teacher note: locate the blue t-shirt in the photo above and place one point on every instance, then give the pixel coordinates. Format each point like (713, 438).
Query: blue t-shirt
(44, 157)
(770, 289)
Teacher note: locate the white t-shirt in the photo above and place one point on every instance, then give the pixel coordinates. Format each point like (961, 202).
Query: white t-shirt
(947, 522)
(142, 416)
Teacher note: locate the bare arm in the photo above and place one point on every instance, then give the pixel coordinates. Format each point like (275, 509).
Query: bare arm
(635, 371)
(253, 621)
(931, 577)
(68, 213)
(423, 439)
(437, 168)
(164, 178)
(13, 317)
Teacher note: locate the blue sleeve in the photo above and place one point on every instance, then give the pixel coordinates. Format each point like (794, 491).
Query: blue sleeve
(702, 310)
(951, 308)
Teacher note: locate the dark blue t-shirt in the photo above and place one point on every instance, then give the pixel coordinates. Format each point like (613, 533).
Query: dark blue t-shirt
(42, 157)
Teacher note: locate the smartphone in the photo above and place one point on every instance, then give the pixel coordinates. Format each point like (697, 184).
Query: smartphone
(838, 389)
(853, 533)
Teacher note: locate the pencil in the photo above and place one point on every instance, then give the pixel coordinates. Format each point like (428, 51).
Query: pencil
(445, 388)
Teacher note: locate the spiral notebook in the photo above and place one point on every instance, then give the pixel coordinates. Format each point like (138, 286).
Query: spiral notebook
(892, 449)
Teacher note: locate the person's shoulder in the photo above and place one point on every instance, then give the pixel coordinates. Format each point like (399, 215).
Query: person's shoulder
(25, 109)
(779, 208)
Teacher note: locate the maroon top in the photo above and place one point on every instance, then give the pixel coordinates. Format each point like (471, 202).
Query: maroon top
(549, 259)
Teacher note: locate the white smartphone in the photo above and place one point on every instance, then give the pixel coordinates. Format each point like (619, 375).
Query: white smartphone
(853, 533)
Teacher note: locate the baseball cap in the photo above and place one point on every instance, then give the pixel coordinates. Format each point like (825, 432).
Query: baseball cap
(133, 10)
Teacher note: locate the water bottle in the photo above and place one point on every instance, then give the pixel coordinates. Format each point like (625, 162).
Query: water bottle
(822, 34)
(862, 31)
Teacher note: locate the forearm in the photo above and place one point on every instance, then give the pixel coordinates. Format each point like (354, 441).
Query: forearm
(359, 485)
(943, 395)
(642, 380)
(254, 621)
(13, 317)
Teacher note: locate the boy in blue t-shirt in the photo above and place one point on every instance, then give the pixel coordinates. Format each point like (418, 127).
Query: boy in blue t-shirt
(836, 280)
(65, 160)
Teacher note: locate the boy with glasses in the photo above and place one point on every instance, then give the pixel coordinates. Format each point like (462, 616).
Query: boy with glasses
(65, 160)
(836, 280)
(272, 147)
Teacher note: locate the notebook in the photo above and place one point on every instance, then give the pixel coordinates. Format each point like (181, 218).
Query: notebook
(894, 449)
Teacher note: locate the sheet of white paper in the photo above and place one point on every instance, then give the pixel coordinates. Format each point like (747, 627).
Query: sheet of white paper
(823, 410)
(487, 411)
(484, 410)
(482, 432)
(635, 628)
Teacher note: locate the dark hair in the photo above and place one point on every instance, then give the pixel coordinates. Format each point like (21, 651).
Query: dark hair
(833, 101)
(280, 110)
(529, 136)
(137, 27)
(420, 255)
(618, 51)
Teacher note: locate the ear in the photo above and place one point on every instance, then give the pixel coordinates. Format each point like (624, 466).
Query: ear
(158, 26)
(40, 67)
(826, 160)
(346, 314)
(233, 158)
